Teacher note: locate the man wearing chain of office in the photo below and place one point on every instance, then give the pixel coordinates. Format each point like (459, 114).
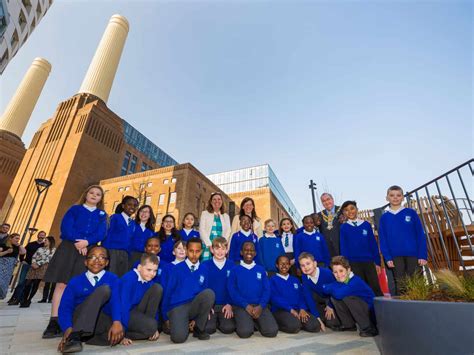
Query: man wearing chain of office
(330, 219)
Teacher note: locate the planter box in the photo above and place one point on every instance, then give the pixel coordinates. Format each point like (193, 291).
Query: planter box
(424, 327)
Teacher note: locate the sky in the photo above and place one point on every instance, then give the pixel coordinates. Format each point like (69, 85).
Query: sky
(356, 95)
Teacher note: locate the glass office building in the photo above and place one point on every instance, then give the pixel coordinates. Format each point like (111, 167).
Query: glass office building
(253, 178)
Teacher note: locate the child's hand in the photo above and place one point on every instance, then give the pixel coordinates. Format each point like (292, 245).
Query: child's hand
(9, 250)
(378, 269)
(81, 244)
(191, 325)
(115, 333)
(64, 339)
(227, 310)
(249, 309)
(257, 312)
(390, 264)
(323, 327)
(304, 316)
(155, 336)
(211, 312)
(126, 342)
(329, 313)
(422, 262)
(294, 313)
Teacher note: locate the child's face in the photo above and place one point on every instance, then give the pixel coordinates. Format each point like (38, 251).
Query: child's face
(144, 215)
(340, 272)
(286, 226)
(93, 196)
(308, 266)
(395, 197)
(270, 228)
(189, 221)
(219, 252)
(308, 224)
(283, 266)
(180, 252)
(130, 206)
(245, 224)
(168, 224)
(248, 253)
(97, 260)
(147, 271)
(350, 212)
(193, 252)
(153, 246)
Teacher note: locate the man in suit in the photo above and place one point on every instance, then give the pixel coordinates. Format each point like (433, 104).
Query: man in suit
(330, 219)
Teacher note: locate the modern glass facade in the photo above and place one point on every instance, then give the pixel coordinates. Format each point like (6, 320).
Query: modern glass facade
(253, 178)
(147, 147)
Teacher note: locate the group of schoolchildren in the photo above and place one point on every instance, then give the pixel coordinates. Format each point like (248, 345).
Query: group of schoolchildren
(119, 281)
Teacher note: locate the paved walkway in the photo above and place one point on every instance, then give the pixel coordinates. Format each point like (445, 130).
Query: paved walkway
(21, 329)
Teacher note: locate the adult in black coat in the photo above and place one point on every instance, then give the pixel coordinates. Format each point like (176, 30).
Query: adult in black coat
(329, 221)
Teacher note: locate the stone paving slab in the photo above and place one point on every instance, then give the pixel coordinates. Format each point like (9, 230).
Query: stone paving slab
(21, 329)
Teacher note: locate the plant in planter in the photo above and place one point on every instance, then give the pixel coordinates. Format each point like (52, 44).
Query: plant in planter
(428, 318)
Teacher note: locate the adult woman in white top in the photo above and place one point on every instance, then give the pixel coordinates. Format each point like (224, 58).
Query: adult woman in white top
(214, 222)
(247, 207)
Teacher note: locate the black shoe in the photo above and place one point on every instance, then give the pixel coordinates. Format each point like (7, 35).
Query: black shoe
(340, 328)
(42, 301)
(371, 332)
(25, 304)
(201, 335)
(13, 302)
(52, 330)
(73, 344)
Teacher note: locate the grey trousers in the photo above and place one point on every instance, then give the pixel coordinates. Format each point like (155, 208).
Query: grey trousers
(352, 310)
(245, 324)
(288, 323)
(218, 321)
(142, 323)
(321, 303)
(404, 266)
(198, 309)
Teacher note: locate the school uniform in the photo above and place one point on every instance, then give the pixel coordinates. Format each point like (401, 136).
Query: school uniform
(316, 298)
(287, 241)
(167, 245)
(79, 222)
(187, 297)
(238, 239)
(287, 294)
(160, 273)
(358, 245)
(218, 273)
(90, 303)
(187, 234)
(117, 242)
(270, 248)
(139, 305)
(138, 241)
(353, 301)
(403, 241)
(313, 243)
(248, 285)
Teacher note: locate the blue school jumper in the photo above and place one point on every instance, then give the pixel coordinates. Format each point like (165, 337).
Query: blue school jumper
(355, 287)
(182, 286)
(166, 253)
(270, 248)
(217, 281)
(248, 286)
(358, 243)
(286, 294)
(325, 277)
(79, 288)
(402, 234)
(186, 237)
(80, 223)
(131, 293)
(139, 238)
(314, 244)
(238, 239)
(159, 278)
(119, 234)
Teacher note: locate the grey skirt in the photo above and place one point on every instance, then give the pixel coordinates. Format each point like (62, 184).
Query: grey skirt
(118, 262)
(65, 263)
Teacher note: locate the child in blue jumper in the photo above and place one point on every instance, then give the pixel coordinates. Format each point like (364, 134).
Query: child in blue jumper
(238, 239)
(144, 229)
(90, 306)
(288, 304)
(140, 298)
(187, 230)
(270, 248)
(311, 241)
(168, 237)
(119, 235)
(152, 246)
(82, 227)
(249, 291)
(218, 269)
(352, 298)
(402, 239)
(358, 245)
(187, 296)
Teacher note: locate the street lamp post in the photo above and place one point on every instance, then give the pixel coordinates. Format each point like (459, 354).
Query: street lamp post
(41, 186)
(312, 186)
(32, 231)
